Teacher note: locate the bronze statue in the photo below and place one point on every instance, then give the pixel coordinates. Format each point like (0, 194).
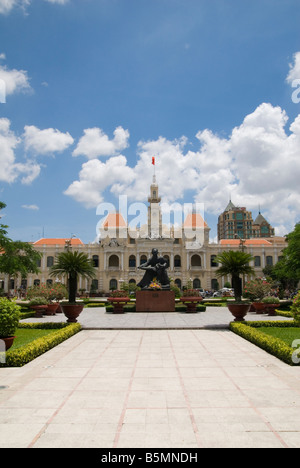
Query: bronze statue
(155, 267)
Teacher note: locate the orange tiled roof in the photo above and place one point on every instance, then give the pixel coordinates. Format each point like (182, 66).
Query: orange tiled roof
(57, 242)
(114, 220)
(194, 220)
(247, 242)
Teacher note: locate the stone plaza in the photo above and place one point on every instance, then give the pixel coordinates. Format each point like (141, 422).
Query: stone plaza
(169, 380)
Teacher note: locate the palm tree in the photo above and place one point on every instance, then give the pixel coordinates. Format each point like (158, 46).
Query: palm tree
(235, 263)
(73, 265)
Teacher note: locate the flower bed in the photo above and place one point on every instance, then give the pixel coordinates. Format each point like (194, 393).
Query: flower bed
(273, 345)
(21, 356)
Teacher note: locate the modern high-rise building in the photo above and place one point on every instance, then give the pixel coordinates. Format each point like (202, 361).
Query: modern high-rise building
(236, 222)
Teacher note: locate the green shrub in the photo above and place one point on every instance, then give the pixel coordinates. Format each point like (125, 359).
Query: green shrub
(9, 317)
(270, 300)
(36, 301)
(295, 309)
(275, 346)
(22, 356)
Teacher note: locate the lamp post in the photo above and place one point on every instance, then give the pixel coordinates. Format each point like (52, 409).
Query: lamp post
(242, 248)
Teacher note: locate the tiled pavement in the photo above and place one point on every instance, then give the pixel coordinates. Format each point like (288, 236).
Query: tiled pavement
(119, 387)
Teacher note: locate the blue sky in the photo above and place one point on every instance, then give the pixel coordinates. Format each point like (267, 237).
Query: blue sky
(95, 88)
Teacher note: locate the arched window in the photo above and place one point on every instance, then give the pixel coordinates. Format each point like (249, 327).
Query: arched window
(196, 261)
(50, 262)
(178, 283)
(143, 259)
(177, 261)
(214, 285)
(167, 258)
(96, 261)
(132, 281)
(114, 261)
(132, 261)
(113, 285)
(196, 283)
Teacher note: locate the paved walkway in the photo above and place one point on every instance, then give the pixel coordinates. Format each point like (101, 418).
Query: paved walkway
(152, 388)
(97, 318)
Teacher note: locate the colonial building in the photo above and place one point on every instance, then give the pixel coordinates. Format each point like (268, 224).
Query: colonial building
(118, 252)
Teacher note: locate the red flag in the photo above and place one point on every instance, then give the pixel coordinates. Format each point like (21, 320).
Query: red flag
(153, 161)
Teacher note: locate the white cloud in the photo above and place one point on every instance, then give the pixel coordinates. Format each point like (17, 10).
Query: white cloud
(30, 207)
(94, 174)
(96, 143)
(294, 73)
(258, 164)
(11, 170)
(6, 6)
(46, 141)
(15, 80)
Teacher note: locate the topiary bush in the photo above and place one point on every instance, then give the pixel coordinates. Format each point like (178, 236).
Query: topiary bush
(9, 318)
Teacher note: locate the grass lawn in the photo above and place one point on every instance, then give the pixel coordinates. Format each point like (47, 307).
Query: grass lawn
(25, 336)
(288, 335)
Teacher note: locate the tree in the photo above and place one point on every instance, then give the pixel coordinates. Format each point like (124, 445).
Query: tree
(292, 253)
(235, 263)
(17, 258)
(3, 229)
(73, 265)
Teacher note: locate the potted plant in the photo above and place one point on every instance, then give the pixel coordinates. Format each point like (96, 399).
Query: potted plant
(118, 299)
(256, 290)
(73, 265)
(39, 305)
(56, 293)
(191, 298)
(235, 264)
(271, 304)
(9, 321)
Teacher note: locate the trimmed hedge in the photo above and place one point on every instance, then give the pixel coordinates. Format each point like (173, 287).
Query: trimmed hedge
(275, 346)
(22, 356)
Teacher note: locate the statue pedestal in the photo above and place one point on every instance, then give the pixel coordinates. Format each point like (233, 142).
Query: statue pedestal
(155, 301)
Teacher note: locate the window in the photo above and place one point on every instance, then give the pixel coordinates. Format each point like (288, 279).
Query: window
(132, 261)
(50, 262)
(178, 283)
(49, 282)
(36, 282)
(196, 261)
(143, 259)
(96, 261)
(113, 261)
(269, 261)
(177, 261)
(257, 262)
(113, 285)
(95, 285)
(214, 285)
(213, 262)
(196, 283)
